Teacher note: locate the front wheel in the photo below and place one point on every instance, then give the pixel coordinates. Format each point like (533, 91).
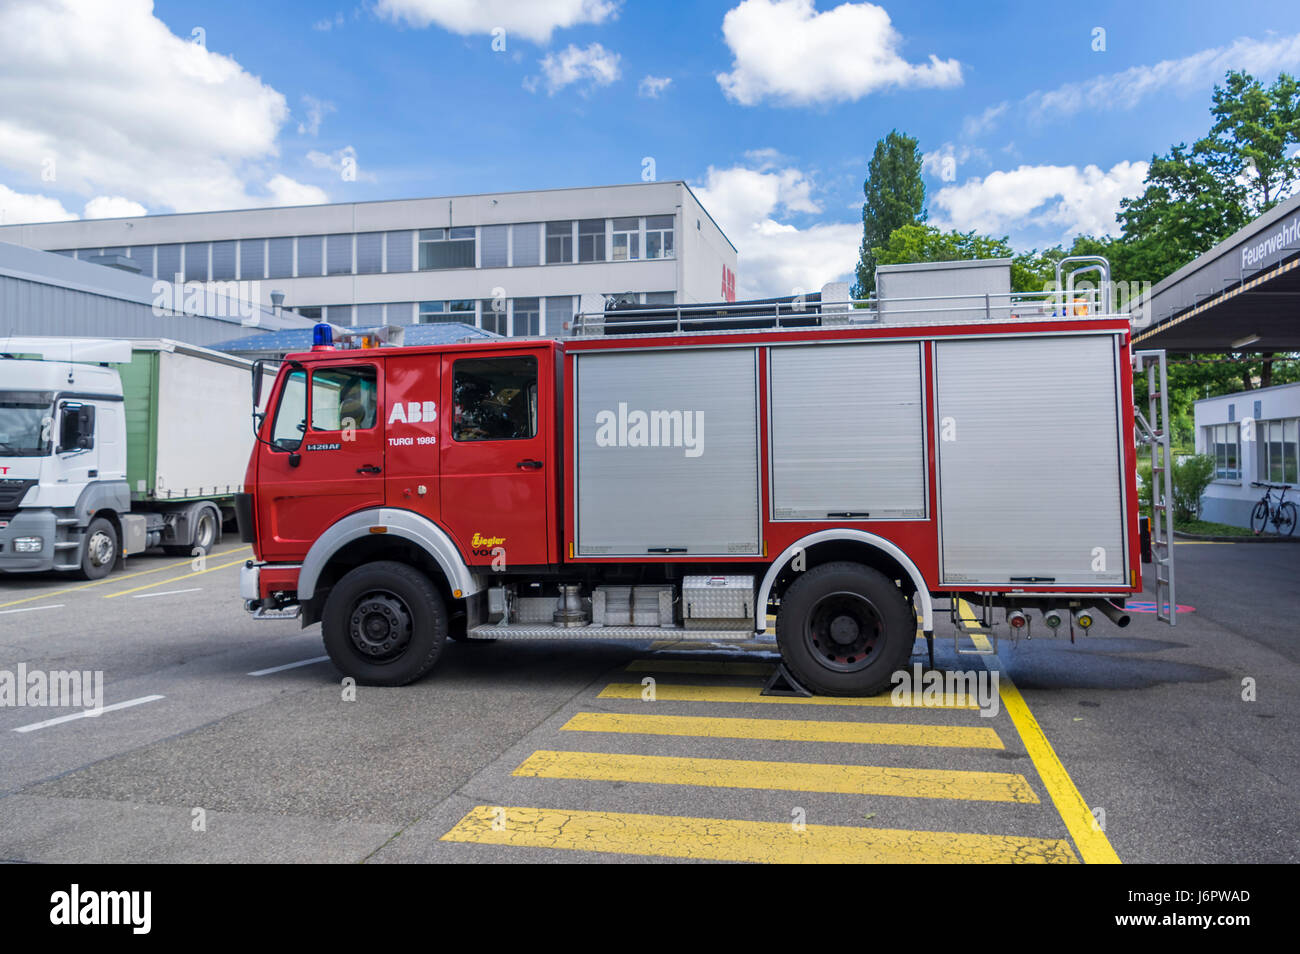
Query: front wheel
(844, 629)
(1286, 518)
(99, 550)
(1259, 518)
(384, 624)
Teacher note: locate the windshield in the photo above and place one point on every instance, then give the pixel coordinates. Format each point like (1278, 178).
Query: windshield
(25, 418)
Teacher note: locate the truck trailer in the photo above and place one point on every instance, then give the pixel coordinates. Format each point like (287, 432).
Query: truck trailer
(111, 447)
(855, 478)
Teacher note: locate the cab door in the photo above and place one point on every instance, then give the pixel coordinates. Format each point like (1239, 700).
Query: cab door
(498, 469)
(328, 455)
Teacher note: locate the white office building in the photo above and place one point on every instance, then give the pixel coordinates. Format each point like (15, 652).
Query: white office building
(514, 263)
(1252, 436)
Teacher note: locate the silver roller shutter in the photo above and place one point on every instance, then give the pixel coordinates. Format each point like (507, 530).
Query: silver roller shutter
(848, 439)
(1029, 465)
(663, 483)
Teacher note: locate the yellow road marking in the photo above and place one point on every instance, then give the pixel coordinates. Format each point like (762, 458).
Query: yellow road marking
(112, 579)
(701, 667)
(793, 730)
(173, 579)
(1091, 841)
(672, 693)
(780, 776)
(722, 839)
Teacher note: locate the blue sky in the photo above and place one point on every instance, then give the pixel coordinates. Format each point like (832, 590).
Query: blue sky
(768, 108)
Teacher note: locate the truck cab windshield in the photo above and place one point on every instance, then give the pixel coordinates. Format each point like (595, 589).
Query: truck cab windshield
(25, 423)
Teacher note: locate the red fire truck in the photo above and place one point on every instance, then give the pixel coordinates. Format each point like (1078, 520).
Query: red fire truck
(854, 471)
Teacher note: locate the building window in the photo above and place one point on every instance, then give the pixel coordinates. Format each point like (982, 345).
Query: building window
(1281, 451)
(525, 244)
(442, 312)
(591, 240)
(1223, 446)
(368, 315)
(400, 313)
(661, 298)
(494, 250)
(309, 255)
(312, 312)
(627, 240)
(370, 253)
(169, 262)
(338, 255)
(279, 258)
(559, 242)
(223, 261)
(196, 261)
(252, 259)
(659, 236)
(559, 309)
(447, 248)
(527, 317)
(398, 255)
(493, 317)
(339, 315)
(142, 255)
(494, 399)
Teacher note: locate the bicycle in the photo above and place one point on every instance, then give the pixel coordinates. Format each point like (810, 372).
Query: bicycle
(1283, 515)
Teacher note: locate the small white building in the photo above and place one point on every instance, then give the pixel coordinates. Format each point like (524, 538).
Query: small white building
(1252, 436)
(512, 263)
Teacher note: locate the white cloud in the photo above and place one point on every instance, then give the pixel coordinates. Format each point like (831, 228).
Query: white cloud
(532, 19)
(113, 207)
(16, 207)
(777, 257)
(1192, 73)
(651, 86)
(328, 24)
(124, 107)
(343, 162)
(593, 66)
(286, 191)
(786, 51)
(316, 111)
(973, 126)
(1065, 199)
(942, 163)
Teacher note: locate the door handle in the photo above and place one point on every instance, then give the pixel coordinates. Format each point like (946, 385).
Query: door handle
(368, 469)
(529, 464)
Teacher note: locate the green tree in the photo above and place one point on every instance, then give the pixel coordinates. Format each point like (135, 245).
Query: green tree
(895, 197)
(1254, 128)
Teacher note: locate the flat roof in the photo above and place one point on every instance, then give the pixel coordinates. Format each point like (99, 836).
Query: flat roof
(1246, 286)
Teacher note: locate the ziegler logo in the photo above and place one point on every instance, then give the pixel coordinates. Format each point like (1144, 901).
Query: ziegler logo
(483, 546)
(414, 412)
(626, 428)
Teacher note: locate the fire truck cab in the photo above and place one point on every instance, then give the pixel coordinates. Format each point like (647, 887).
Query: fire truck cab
(854, 477)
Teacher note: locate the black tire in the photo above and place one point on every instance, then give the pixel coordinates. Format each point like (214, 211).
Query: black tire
(384, 624)
(1286, 519)
(1259, 518)
(207, 531)
(844, 629)
(99, 550)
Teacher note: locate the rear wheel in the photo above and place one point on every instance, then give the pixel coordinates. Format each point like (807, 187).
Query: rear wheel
(384, 624)
(98, 550)
(1259, 518)
(1286, 518)
(206, 528)
(844, 629)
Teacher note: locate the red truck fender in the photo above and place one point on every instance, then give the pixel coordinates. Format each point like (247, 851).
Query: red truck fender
(857, 536)
(421, 531)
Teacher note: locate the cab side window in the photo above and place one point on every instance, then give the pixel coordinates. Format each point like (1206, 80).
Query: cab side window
(344, 398)
(291, 414)
(494, 399)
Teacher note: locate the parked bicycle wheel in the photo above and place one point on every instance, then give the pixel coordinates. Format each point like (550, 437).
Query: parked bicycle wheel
(1259, 518)
(1286, 518)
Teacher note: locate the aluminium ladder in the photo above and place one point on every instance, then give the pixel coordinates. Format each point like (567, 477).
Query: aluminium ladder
(1154, 431)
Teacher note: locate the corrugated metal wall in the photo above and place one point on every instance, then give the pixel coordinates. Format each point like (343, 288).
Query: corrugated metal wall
(31, 308)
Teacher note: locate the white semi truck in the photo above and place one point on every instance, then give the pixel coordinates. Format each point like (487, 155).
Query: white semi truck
(111, 447)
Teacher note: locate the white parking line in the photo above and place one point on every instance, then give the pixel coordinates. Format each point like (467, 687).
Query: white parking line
(292, 665)
(88, 713)
(147, 596)
(31, 609)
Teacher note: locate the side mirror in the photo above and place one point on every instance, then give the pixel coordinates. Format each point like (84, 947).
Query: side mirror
(257, 384)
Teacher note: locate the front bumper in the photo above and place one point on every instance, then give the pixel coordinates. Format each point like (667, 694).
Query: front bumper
(29, 523)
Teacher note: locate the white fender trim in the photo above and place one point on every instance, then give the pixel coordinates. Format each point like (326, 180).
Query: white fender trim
(421, 531)
(858, 536)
